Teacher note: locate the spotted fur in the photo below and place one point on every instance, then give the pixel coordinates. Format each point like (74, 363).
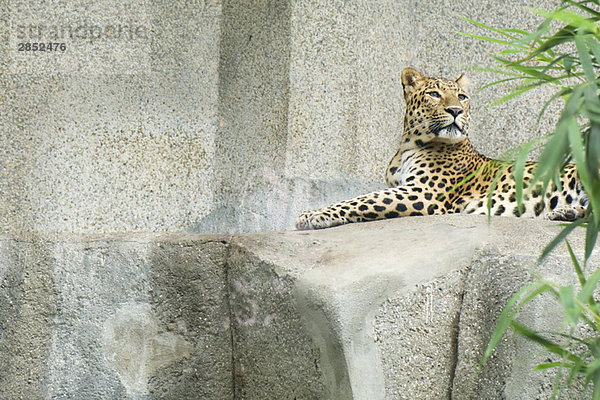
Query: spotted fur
(435, 155)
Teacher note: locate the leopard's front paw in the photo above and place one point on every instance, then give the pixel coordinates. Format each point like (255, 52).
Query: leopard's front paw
(566, 213)
(316, 219)
(303, 221)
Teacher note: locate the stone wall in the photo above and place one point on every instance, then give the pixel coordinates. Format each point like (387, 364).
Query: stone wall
(224, 116)
(398, 309)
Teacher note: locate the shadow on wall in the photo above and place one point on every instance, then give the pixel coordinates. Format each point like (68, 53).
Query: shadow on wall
(276, 204)
(28, 302)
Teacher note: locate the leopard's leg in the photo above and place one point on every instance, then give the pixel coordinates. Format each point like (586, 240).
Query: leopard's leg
(390, 203)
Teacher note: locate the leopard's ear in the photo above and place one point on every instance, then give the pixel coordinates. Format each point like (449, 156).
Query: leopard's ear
(463, 82)
(410, 78)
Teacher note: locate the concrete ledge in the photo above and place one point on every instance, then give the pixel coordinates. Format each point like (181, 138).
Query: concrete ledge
(385, 310)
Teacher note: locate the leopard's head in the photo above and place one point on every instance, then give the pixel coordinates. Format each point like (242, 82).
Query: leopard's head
(437, 109)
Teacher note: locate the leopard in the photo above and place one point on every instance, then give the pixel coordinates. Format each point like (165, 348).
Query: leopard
(436, 169)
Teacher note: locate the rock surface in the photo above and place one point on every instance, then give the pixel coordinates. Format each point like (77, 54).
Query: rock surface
(398, 309)
(226, 116)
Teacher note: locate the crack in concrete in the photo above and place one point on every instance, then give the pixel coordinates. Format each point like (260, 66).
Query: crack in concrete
(456, 330)
(226, 265)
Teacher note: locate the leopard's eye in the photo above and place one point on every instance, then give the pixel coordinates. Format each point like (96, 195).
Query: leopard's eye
(434, 94)
(462, 97)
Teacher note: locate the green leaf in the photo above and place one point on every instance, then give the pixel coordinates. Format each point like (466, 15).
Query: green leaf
(591, 185)
(555, 364)
(513, 305)
(593, 166)
(563, 52)
(517, 31)
(519, 169)
(593, 148)
(494, 83)
(516, 93)
(563, 35)
(591, 109)
(591, 235)
(584, 57)
(546, 343)
(576, 265)
(593, 366)
(496, 71)
(503, 32)
(568, 228)
(554, 152)
(556, 95)
(592, 43)
(569, 18)
(536, 36)
(588, 289)
(573, 103)
(503, 167)
(584, 8)
(535, 71)
(486, 38)
(513, 153)
(568, 63)
(576, 144)
(567, 300)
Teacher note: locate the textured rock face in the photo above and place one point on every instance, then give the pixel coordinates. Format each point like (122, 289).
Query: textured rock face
(225, 116)
(113, 317)
(385, 310)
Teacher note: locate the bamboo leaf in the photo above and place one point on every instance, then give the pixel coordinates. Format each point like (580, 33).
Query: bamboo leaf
(510, 309)
(568, 59)
(593, 147)
(561, 36)
(515, 94)
(554, 151)
(584, 57)
(519, 169)
(593, 366)
(568, 228)
(487, 39)
(494, 83)
(493, 185)
(567, 300)
(496, 71)
(588, 289)
(593, 166)
(546, 343)
(503, 32)
(576, 265)
(591, 235)
(592, 43)
(556, 95)
(584, 8)
(555, 364)
(517, 31)
(569, 18)
(576, 144)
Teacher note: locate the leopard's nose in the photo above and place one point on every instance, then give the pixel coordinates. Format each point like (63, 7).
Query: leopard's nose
(454, 111)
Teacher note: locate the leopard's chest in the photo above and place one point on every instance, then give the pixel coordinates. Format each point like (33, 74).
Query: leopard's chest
(406, 172)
